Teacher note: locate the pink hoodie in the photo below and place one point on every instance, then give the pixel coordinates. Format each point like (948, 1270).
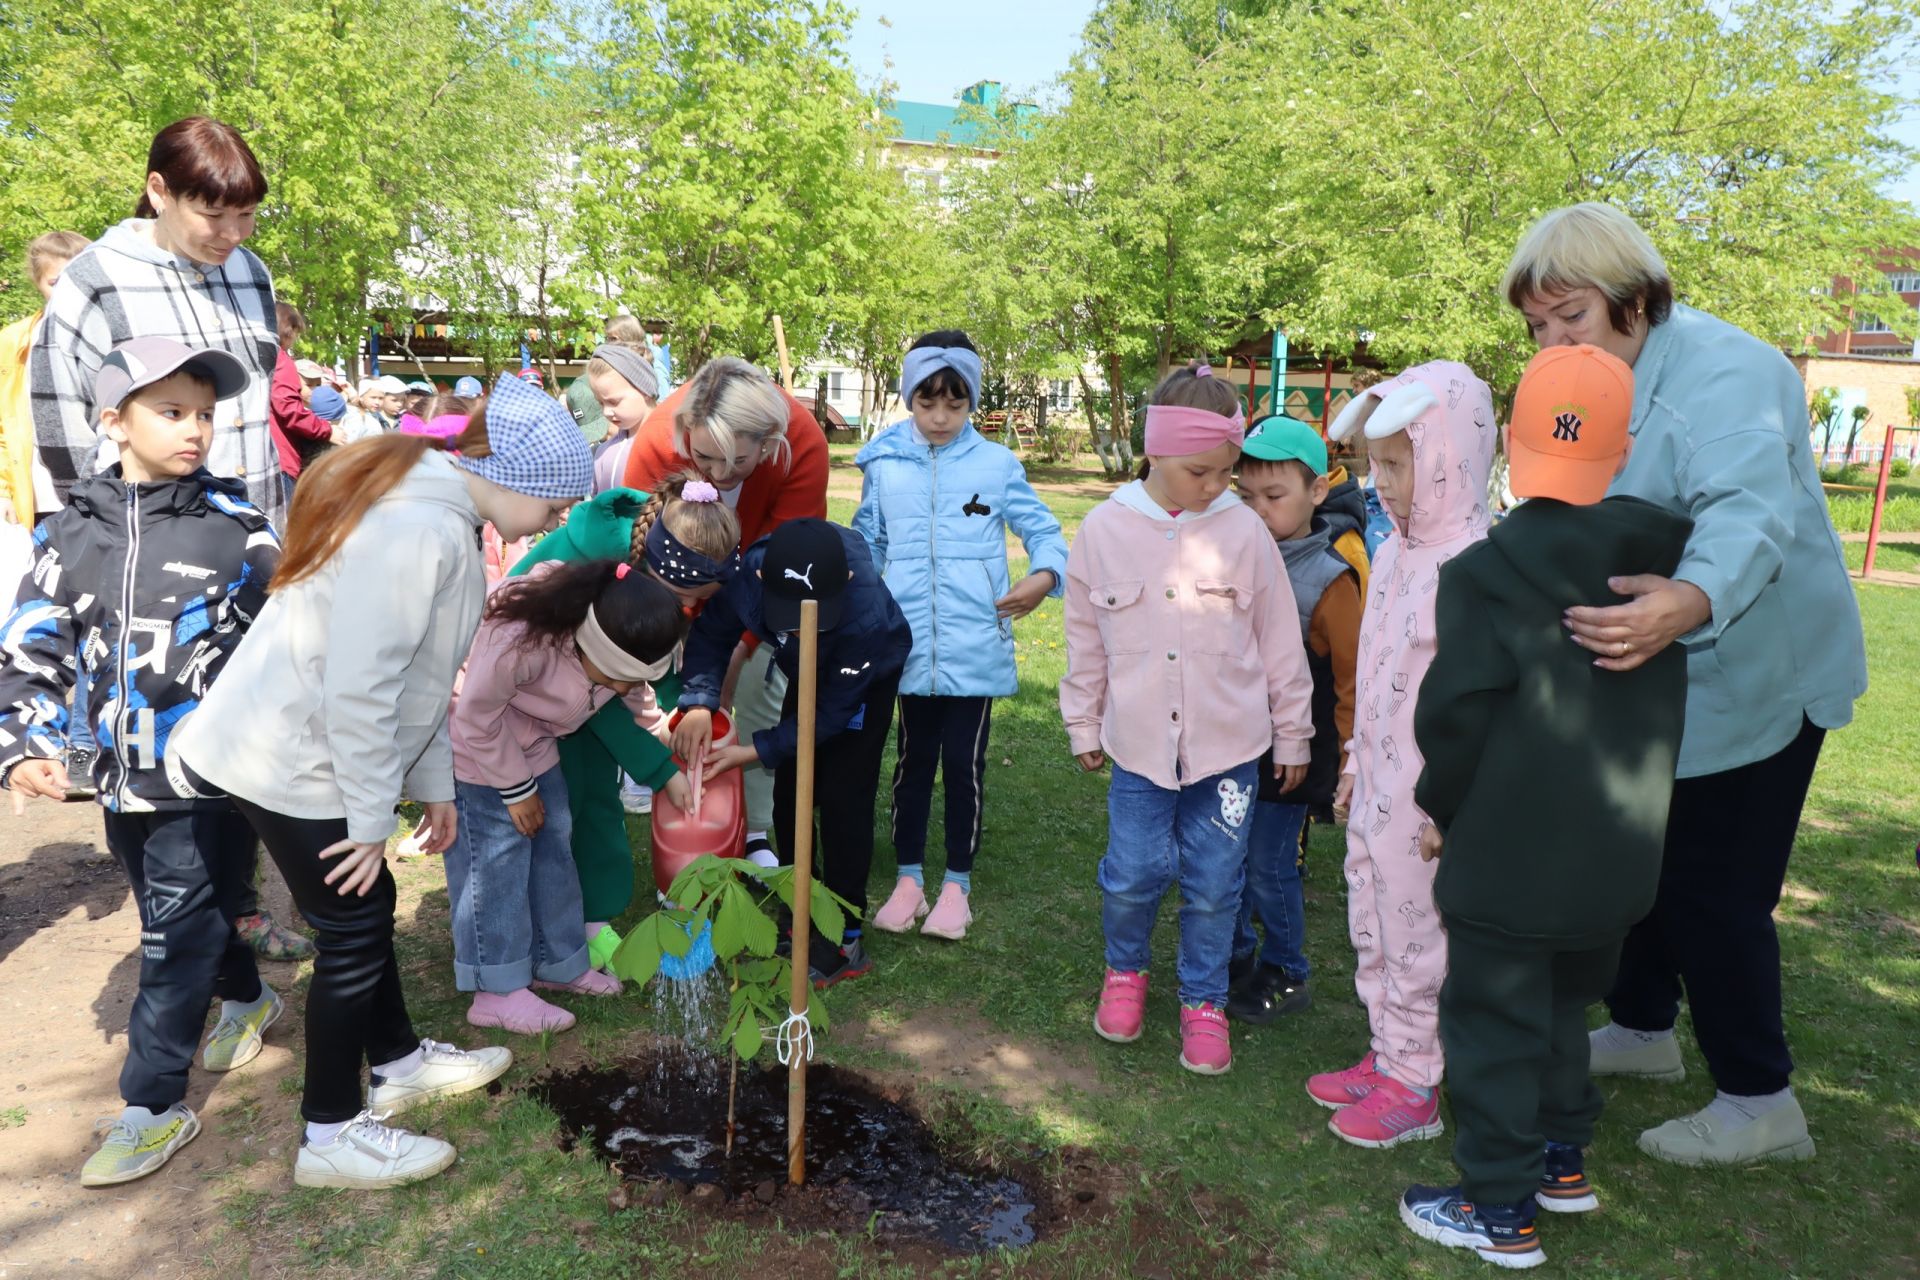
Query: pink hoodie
(1183, 646)
(512, 706)
(1401, 949)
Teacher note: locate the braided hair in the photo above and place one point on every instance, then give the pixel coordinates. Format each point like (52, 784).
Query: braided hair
(707, 527)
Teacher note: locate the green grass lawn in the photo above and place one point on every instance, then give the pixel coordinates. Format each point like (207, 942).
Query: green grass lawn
(1227, 1176)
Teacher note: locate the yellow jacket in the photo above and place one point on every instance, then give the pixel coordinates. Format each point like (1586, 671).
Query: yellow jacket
(16, 419)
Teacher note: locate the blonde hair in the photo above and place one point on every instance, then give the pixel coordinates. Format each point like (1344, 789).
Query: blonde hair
(1592, 246)
(730, 397)
(710, 528)
(54, 246)
(627, 330)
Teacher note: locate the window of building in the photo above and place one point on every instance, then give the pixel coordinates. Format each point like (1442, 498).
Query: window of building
(836, 384)
(1872, 326)
(1903, 281)
(1060, 394)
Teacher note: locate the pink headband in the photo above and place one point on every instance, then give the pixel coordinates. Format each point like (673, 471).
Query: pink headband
(1173, 430)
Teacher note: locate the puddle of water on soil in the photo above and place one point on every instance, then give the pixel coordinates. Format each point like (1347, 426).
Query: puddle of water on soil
(664, 1115)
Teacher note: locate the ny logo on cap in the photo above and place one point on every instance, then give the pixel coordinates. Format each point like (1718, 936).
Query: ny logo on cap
(1566, 426)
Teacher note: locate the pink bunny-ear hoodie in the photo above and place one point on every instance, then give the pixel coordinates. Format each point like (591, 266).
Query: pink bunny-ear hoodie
(1401, 950)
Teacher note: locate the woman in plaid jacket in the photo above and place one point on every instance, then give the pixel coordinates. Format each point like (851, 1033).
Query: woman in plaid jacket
(176, 270)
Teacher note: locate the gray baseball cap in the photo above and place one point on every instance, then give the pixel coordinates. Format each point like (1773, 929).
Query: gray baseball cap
(141, 362)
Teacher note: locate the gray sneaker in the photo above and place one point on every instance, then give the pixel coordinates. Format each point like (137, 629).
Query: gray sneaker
(135, 1148)
(1657, 1060)
(1703, 1138)
(236, 1038)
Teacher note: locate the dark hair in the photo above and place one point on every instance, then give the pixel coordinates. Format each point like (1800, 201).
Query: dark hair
(445, 402)
(637, 611)
(289, 321)
(207, 160)
(1249, 466)
(943, 384)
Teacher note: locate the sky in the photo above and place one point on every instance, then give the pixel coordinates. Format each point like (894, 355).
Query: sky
(939, 47)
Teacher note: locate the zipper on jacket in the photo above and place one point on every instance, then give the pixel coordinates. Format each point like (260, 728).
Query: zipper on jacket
(933, 570)
(126, 615)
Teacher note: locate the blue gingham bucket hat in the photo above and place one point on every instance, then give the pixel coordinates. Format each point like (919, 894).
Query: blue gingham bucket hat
(536, 447)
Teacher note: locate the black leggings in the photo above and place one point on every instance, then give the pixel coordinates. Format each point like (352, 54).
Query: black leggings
(355, 1010)
(950, 734)
(1711, 928)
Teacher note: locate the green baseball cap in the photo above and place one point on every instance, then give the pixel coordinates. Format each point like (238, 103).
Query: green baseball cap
(1283, 439)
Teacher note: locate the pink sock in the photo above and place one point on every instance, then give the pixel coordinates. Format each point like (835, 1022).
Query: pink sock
(591, 983)
(520, 1012)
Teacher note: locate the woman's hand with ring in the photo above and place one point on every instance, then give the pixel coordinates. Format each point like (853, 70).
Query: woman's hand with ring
(1627, 635)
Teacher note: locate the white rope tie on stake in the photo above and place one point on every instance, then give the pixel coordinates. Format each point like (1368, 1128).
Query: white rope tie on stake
(793, 1035)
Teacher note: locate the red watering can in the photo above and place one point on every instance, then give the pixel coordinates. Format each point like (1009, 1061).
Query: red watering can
(716, 822)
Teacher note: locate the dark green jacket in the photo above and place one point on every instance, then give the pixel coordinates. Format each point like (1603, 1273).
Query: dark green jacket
(602, 529)
(1549, 777)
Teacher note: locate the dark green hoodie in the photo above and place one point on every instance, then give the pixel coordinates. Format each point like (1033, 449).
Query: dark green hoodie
(1548, 776)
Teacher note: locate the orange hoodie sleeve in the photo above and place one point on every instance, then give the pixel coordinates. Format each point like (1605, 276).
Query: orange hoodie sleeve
(796, 492)
(1334, 633)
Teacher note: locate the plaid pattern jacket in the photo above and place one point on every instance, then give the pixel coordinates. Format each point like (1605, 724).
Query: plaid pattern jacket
(123, 287)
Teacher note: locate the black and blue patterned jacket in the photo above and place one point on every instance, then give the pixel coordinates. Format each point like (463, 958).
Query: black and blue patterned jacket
(151, 586)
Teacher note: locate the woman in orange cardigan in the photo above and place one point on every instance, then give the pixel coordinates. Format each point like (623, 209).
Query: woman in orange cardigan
(768, 457)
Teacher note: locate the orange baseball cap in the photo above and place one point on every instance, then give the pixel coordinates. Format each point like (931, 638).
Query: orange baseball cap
(1569, 426)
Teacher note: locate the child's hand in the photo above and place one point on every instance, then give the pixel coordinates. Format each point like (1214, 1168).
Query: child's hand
(1342, 797)
(1430, 841)
(438, 827)
(690, 739)
(528, 815)
(1290, 776)
(737, 756)
(360, 866)
(679, 792)
(45, 778)
(1026, 595)
(1091, 760)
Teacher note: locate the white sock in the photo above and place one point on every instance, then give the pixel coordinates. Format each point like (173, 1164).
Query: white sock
(319, 1135)
(140, 1117)
(399, 1068)
(1735, 1110)
(1614, 1038)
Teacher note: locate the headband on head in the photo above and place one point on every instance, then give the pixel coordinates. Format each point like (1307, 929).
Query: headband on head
(636, 368)
(1174, 429)
(923, 362)
(614, 662)
(680, 565)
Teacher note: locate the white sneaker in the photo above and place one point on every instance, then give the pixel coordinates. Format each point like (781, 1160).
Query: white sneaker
(369, 1155)
(1657, 1060)
(445, 1072)
(635, 798)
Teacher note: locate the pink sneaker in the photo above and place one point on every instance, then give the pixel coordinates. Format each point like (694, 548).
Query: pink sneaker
(1338, 1089)
(1204, 1048)
(1123, 1006)
(1388, 1116)
(520, 1012)
(591, 983)
(907, 904)
(951, 915)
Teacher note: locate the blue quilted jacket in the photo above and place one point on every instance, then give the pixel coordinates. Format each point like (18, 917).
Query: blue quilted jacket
(937, 521)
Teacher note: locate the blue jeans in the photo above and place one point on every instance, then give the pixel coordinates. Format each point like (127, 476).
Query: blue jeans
(515, 899)
(1273, 889)
(80, 722)
(1197, 836)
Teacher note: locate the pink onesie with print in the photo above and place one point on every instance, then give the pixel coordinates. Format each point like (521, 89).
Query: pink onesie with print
(1401, 950)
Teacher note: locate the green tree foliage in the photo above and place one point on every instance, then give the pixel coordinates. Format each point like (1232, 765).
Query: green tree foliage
(378, 124)
(711, 186)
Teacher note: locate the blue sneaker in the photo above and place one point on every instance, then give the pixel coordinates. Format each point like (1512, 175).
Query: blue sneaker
(1501, 1234)
(1564, 1187)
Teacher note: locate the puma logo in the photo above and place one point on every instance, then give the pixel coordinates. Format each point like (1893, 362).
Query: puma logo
(976, 508)
(806, 577)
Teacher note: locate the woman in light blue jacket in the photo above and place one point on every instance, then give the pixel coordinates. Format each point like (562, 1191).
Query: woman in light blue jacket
(936, 505)
(1775, 658)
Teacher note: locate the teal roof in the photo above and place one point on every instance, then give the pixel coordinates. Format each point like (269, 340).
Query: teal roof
(931, 122)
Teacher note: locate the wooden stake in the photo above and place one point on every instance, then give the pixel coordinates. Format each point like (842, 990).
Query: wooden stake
(802, 878)
(786, 362)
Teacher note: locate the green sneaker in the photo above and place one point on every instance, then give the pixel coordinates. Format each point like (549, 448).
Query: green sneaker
(601, 946)
(236, 1037)
(136, 1147)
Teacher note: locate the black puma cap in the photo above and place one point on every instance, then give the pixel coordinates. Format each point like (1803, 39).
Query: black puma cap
(806, 560)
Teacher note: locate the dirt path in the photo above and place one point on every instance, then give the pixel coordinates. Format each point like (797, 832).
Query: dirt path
(68, 969)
